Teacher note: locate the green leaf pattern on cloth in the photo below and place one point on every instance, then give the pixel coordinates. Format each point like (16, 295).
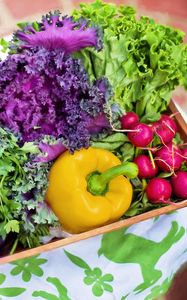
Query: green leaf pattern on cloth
(93, 276)
(28, 267)
(62, 291)
(9, 291)
(130, 248)
(134, 263)
(160, 289)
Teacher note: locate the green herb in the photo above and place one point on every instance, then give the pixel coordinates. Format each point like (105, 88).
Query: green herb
(110, 142)
(4, 45)
(140, 203)
(23, 183)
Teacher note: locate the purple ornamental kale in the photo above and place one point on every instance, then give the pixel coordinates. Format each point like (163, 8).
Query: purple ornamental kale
(53, 33)
(51, 151)
(48, 93)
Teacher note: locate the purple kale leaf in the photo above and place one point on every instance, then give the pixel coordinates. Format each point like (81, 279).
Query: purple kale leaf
(48, 93)
(51, 151)
(57, 33)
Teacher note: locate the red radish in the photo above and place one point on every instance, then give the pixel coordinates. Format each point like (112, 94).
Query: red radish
(141, 136)
(145, 166)
(129, 119)
(159, 190)
(169, 122)
(169, 158)
(184, 153)
(179, 184)
(165, 129)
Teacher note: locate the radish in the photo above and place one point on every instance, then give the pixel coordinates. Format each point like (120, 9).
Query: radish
(169, 158)
(141, 135)
(129, 119)
(184, 153)
(169, 122)
(145, 166)
(165, 129)
(159, 190)
(179, 184)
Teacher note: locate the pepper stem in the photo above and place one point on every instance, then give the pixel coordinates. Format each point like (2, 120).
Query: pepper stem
(97, 183)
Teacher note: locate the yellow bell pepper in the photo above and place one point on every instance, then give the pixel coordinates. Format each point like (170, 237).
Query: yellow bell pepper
(87, 190)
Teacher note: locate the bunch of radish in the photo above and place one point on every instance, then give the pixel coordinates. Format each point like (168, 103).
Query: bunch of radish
(166, 157)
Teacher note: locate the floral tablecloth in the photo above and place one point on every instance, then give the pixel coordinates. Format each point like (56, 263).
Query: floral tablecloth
(134, 263)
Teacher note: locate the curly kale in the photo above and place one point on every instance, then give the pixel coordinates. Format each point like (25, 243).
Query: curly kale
(23, 184)
(55, 32)
(48, 93)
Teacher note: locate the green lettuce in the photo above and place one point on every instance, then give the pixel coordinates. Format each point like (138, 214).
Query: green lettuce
(143, 61)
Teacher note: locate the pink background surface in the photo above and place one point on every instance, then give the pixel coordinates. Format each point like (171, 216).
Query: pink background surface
(11, 11)
(170, 12)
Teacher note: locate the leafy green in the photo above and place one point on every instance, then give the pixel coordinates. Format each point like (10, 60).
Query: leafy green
(32, 238)
(126, 152)
(4, 45)
(23, 184)
(144, 61)
(12, 225)
(110, 142)
(140, 202)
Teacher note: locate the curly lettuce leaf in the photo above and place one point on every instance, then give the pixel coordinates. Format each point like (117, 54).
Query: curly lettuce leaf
(143, 61)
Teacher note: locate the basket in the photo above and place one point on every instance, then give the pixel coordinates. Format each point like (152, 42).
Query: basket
(182, 128)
